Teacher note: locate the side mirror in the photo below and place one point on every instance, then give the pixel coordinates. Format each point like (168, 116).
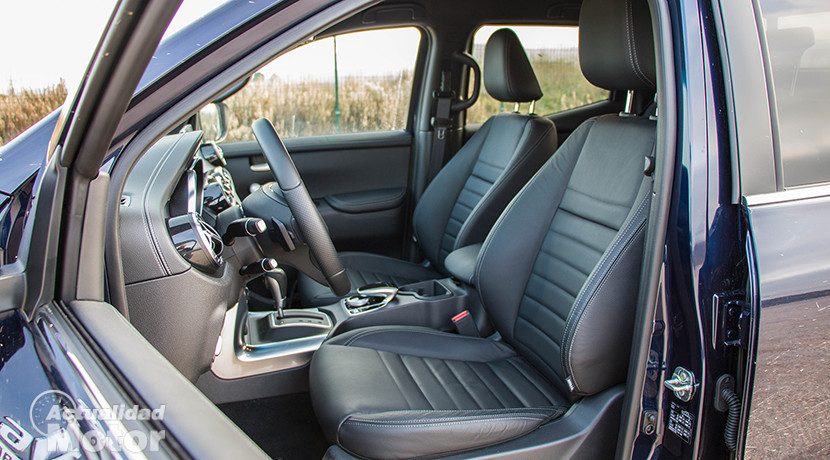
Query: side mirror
(213, 118)
(214, 122)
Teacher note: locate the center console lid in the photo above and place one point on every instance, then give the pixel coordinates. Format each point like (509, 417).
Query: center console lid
(461, 263)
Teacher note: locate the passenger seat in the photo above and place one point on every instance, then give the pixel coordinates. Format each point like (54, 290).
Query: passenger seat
(460, 205)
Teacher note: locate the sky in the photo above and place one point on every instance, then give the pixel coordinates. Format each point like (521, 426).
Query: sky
(46, 40)
(54, 40)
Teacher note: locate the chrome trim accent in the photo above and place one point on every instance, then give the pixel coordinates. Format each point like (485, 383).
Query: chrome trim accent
(260, 167)
(193, 205)
(274, 324)
(237, 361)
(791, 194)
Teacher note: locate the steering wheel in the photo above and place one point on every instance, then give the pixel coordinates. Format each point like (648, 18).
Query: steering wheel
(311, 224)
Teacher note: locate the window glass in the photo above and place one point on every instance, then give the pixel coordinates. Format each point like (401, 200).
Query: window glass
(350, 83)
(553, 53)
(798, 45)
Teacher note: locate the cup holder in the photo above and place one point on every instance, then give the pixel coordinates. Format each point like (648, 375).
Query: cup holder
(431, 289)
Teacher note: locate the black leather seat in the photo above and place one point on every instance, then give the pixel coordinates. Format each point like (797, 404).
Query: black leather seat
(558, 275)
(460, 205)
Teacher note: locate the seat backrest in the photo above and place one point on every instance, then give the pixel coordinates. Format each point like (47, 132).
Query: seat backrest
(559, 273)
(465, 198)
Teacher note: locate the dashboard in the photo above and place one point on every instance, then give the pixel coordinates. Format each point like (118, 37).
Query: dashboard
(179, 278)
(204, 191)
(175, 203)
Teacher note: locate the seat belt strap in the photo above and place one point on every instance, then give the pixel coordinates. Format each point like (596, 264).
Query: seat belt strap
(441, 124)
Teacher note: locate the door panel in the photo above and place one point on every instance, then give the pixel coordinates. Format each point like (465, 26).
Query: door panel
(359, 182)
(789, 413)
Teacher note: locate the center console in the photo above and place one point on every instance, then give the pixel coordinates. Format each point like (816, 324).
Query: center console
(256, 342)
(271, 341)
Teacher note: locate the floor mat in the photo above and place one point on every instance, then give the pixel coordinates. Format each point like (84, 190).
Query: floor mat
(284, 426)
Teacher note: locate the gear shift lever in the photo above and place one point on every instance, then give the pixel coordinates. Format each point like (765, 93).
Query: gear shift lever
(277, 282)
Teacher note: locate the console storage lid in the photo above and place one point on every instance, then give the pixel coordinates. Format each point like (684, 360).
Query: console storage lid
(461, 263)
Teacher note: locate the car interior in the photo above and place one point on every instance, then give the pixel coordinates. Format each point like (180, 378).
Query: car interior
(455, 283)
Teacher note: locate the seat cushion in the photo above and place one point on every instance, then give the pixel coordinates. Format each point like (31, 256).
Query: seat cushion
(400, 392)
(364, 268)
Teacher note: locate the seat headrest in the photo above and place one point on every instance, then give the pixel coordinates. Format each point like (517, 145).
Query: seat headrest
(508, 76)
(616, 46)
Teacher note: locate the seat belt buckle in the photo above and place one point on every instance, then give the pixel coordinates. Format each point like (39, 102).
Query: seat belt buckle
(465, 325)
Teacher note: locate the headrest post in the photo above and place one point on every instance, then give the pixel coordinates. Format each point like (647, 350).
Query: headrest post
(532, 109)
(516, 108)
(628, 110)
(654, 117)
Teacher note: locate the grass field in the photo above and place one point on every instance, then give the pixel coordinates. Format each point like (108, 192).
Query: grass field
(306, 108)
(21, 108)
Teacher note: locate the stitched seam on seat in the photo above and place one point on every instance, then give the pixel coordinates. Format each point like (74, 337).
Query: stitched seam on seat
(609, 264)
(563, 260)
(600, 270)
(365, 334)
(417, 385)
(541, 359)
(514, 391)
(587, 125)
(636, 57)
(464, 413)
(395, 380)
(528, 378)
(546, 307)
(542, 277)
(443, 384)
(444, 423)
(582, 313)
(507, 173)
(504, 384)
(587, 218)
(544, 332)
(484, 383)
(464, 387)
(471, 415)
(601, 200)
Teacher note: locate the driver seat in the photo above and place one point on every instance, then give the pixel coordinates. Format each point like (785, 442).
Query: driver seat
(460, 205)
(558, 276)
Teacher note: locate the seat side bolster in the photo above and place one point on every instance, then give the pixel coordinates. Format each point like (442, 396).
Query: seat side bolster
(415, 433)
(536, 145)
(435, 205)
(596, 358)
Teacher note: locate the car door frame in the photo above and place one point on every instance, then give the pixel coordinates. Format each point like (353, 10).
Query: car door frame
(787, 228)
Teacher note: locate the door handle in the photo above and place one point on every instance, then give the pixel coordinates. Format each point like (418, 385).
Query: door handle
(260, 167)
(682, 384)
